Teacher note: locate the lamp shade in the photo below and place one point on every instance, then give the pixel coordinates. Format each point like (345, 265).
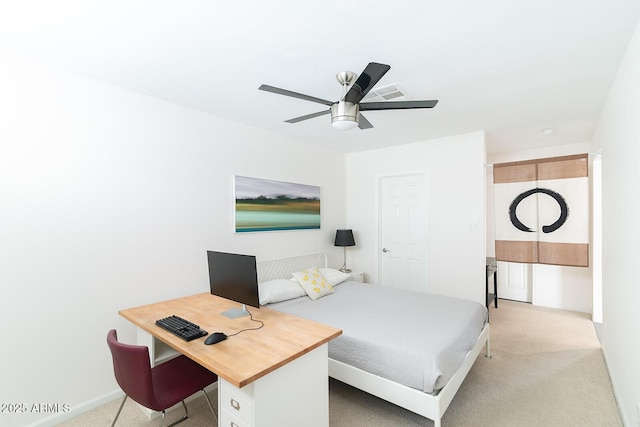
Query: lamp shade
(344, 237)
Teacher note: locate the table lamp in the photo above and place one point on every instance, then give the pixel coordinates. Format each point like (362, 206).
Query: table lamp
(344, 238)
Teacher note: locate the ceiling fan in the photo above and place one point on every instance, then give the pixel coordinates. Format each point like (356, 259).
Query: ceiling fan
(345, 113)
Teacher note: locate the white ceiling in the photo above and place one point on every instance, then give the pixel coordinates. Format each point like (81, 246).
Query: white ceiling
(509, 67)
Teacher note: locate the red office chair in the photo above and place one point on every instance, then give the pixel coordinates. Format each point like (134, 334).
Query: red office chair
(157, 388)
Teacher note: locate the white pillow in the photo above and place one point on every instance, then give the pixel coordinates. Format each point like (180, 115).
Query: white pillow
(314, 283)
(279, 290)
(333, 276)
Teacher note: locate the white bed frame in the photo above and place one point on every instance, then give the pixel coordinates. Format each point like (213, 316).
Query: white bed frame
(431, 406)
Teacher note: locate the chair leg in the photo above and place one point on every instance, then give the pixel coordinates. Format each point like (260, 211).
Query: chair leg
(186, 412)
(119, 410)
(210, 405)
(186, 415)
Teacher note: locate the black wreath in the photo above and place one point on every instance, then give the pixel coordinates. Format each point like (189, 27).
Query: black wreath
(564, 210)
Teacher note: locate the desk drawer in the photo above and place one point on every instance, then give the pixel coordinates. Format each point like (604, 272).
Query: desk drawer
(237, 403)
(229, 420)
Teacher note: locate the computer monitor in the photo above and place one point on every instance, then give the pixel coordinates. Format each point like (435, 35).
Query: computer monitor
(234, 277)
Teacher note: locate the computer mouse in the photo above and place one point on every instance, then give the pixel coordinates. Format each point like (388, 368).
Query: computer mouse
(215, 337)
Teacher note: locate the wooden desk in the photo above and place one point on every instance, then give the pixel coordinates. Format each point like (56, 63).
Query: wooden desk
(277, 375)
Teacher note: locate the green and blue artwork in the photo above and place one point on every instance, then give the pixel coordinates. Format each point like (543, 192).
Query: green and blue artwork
(265, 205)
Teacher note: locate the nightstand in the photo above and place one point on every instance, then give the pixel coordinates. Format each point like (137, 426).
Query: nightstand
(357, 276)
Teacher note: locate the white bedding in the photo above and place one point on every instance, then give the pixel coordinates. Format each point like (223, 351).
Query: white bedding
(415, 339)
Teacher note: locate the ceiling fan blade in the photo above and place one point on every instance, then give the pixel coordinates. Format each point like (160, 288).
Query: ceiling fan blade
(285, 92)
(396, 105)
(368, 79)
(308, 116)
(363, 123)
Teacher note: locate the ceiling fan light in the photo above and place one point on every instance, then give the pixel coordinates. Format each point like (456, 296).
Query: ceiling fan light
(344, 123)
(344, 115)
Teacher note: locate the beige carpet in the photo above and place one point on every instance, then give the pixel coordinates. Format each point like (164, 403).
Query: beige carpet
(546, 369)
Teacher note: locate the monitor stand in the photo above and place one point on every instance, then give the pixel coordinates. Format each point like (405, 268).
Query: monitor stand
(235, 313)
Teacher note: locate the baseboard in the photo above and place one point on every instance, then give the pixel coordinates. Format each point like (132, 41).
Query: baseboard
(87, 406)
(623, 415)
(78, 409)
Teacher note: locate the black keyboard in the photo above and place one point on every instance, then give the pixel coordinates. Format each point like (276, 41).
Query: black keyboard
(183, 328)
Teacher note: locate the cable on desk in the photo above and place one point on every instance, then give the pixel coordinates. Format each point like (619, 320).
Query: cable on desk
(249, 329)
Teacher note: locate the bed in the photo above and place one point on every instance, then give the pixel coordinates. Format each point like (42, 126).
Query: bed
(387, 360)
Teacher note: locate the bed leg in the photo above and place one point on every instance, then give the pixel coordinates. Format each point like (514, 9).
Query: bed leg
(487, 347)
(437, 422)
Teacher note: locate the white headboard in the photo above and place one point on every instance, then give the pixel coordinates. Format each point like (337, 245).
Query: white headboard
(282, 268)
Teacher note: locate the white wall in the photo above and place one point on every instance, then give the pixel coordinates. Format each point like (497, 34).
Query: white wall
(618, 135)
(568, 288)
(109, 200)
(455, 170)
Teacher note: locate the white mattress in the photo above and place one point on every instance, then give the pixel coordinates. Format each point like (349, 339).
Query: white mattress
(415, 339)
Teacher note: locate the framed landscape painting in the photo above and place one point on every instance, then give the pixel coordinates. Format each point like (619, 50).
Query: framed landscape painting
(264, 205)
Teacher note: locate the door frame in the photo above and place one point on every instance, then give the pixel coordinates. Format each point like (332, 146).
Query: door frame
(378, 223)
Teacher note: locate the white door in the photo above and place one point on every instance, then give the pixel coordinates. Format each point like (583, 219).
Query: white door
(403, 232)
(514, 281)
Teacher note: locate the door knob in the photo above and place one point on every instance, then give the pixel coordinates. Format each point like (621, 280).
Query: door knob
(385, 250)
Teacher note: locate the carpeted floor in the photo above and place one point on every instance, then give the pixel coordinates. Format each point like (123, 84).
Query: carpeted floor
(546, 369)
